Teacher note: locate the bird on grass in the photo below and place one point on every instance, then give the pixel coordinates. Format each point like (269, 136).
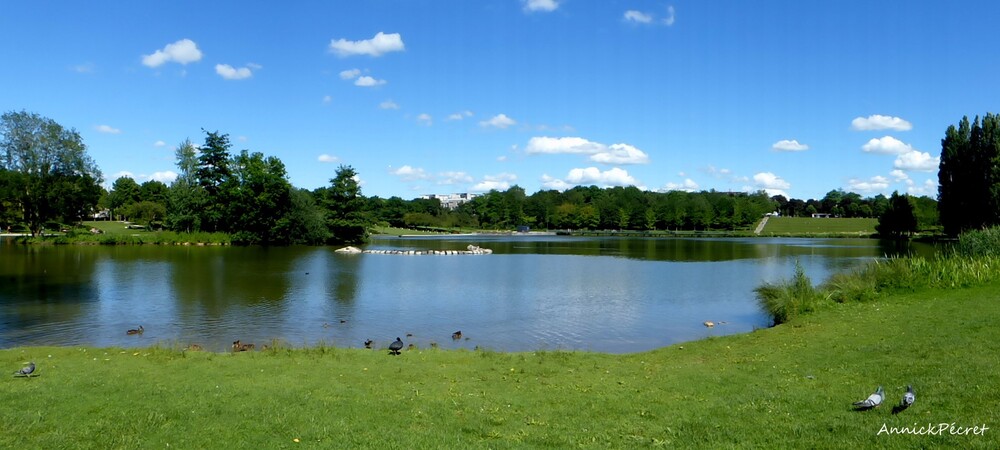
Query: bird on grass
(396, 346)
(872, 401)
(368, 343)
(908, 398)
(135, 330)
(26, 371)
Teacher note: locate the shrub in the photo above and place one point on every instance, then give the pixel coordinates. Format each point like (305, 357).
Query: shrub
(786, 300)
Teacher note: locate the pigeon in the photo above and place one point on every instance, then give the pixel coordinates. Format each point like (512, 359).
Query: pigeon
(872, 401)
(26, 371)
(396, 346)
(908, 398)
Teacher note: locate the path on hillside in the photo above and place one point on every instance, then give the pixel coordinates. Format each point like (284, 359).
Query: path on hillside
(760, 227)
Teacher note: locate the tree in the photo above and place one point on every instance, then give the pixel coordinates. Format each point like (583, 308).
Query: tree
(344, 204)
(47, 172)
(124, 192)
(261, 200)
(185, 197)
(969, 176)
(212, 174)
(898, 219)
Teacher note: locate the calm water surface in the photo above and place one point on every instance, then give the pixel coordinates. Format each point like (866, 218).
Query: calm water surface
(535, 292)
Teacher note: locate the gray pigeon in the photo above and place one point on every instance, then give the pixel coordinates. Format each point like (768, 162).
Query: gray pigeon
(396, 346)
(908, 398)
(872, 401)
(26, 371)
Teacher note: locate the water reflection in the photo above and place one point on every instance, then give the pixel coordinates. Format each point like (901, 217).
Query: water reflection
(546, 292)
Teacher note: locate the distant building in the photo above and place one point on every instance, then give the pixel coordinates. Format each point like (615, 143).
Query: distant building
(450, 201)
(821, 216)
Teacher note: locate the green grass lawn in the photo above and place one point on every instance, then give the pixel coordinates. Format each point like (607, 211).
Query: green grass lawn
(786, 387)
(807, 225)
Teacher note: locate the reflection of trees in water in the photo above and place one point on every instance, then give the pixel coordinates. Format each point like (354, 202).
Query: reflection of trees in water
(345, 285)
(218, 279)
(42, 284)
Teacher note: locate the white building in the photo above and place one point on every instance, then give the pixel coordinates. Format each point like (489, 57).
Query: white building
(450, 201)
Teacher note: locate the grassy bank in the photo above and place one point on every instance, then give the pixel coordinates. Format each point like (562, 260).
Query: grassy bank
(119, 233)
(789, 386)
(807, 226)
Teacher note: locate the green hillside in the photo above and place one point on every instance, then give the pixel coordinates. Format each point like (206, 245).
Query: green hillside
(779, 226)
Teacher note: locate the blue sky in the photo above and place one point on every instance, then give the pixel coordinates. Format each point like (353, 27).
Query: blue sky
(441, 96)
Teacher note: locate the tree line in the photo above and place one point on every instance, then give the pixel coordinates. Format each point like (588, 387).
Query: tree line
(47, 177)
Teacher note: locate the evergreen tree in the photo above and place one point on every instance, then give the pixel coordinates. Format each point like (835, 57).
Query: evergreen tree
(898, 219)
(344, 204)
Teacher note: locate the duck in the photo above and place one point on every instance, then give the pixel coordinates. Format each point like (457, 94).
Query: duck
(194, 348)
(135, 330)
(709, 323)
(457, 335)
(241, 347)
(368, 343)
(396, 346)
(411, 347)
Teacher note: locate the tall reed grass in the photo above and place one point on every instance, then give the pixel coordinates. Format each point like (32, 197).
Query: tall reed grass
(974, 261)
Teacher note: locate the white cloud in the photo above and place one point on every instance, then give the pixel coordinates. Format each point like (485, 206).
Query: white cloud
(879, 122)
(159, 144)
(327, 99)
(917, 161)
(182, 52)
(377, 46)
(929, 187)
(167, 176)
(614, 176)
(572, 145)
(367, 81)
(84, 68)
(647, 18)
(460, 115)
(408, 173)
(621, 154)
(874, 184)
(600, 153)
(242, 138)
(454, 178)
(498, 121)
(388, 104)
(899, 175)
(425, 119)
(350, 74)
(887, 145)
(107, 129)
(671, 16)
(540, 5)
(789, 146)
(638, 16)
(554, 183)
(325, 158)
(773, 184)
(688, 185)
(499, 182)
(231, 73)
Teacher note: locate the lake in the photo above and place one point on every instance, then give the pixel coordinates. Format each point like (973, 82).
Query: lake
(617, 295)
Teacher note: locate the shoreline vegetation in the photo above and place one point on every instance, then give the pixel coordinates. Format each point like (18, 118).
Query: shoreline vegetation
(789, 386)
(127, 233)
